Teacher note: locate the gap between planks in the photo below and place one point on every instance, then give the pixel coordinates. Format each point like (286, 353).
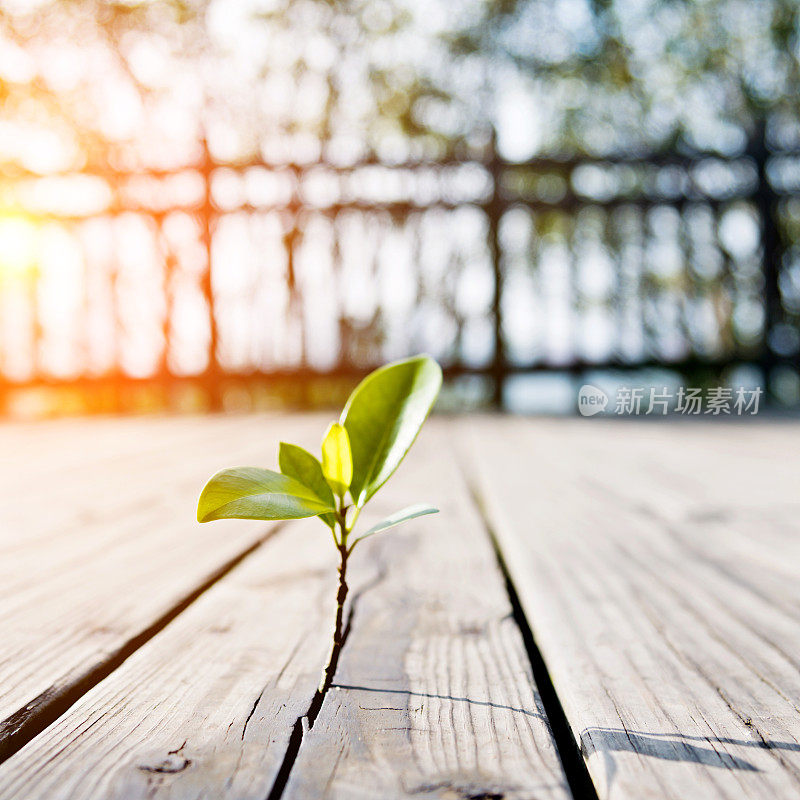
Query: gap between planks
(30, 720)
(577, 775)
(86, 581)
(194, 713)
(658, 566)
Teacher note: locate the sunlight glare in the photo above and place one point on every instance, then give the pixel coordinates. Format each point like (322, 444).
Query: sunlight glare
(17, 245)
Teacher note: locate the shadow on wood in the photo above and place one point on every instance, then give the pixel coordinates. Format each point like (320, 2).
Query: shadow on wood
(430, 696)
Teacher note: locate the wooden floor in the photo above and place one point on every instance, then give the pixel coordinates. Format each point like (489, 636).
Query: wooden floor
(601, 609)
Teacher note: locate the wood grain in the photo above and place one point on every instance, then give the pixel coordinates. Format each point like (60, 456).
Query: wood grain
(659, 569)
(434, 695)
(206, 708)
(98, 542)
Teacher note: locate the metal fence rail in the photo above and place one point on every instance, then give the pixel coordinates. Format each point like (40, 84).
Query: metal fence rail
(220, 278)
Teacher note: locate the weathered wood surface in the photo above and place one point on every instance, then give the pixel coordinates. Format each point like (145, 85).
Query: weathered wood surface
(206, 707)
(434, 695)
(659, 568)
(98, 542)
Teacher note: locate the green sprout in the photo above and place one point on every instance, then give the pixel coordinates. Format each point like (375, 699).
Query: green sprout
(378, 425)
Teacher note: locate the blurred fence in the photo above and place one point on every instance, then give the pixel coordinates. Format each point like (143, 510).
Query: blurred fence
(204, 286)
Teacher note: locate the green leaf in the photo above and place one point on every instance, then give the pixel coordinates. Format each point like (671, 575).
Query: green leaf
(254, 493)
(383, 417)
(299, 464)
(337, 461)
(418, 510)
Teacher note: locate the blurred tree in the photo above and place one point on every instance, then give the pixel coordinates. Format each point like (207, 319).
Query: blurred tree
(80, 77)
(284, 78)
(612, 75)
(351, 77)
(142, 80)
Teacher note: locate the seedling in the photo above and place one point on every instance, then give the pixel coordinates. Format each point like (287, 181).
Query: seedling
(360, 452)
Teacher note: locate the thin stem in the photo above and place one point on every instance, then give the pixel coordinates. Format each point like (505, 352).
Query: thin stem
(335, 540)
(355, 519)
(341, 597)
(360, 538)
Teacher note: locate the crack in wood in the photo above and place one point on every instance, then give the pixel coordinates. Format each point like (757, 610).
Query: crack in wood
(305, 722)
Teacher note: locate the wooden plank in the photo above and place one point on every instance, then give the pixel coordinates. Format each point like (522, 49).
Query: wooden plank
(434, 695)
(658, 568)
(95, 555)
(207, 707)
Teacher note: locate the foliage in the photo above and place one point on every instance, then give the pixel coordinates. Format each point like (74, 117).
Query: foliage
(360, 453)
(604, 77)
(81, 84)
(296, 76)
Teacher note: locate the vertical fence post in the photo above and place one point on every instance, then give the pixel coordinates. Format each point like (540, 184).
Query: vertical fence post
(766, 201)
(494, 211)
(208, 222)
(291, 242)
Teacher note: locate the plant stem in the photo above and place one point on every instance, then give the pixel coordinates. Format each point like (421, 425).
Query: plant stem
(341, 597)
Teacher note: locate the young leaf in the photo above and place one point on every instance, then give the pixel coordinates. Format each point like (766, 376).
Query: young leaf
(418, 510)
(299, 464)
(337, 461)
(383, 417)
(254, 493)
